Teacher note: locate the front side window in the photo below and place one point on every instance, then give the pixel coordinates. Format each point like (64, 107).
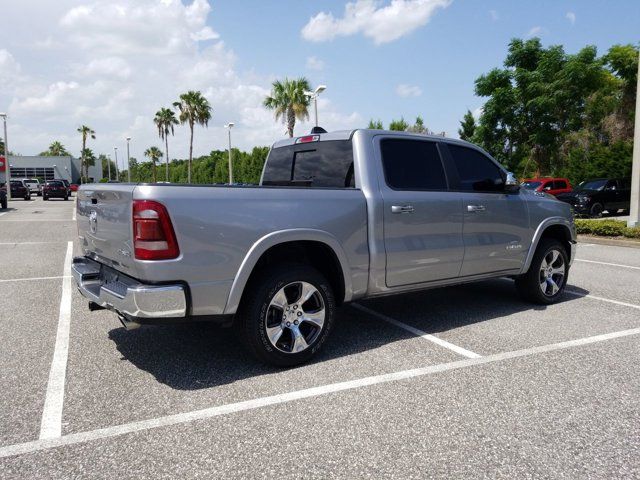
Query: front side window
(476, 171)
(412, 165)
(559, 184)
(327, 164)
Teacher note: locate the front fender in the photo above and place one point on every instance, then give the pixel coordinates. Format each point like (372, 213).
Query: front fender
(276, 238)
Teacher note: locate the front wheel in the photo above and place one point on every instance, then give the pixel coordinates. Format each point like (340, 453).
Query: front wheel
(45, 198)
(596, 210)
(547, 276)
(66, 198)
(286, 315)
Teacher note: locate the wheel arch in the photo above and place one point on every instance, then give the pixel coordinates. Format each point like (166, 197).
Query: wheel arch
(560, 228)
(319, 248)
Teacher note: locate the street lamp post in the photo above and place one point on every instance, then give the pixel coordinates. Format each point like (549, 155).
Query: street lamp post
(128, 162)
(115, 151)
(314, 95)
(230, 126)
(634, 210)
(7, 169)
(109, 166)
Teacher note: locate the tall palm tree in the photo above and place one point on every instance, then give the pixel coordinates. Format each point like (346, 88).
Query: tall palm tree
(165, 120)
(56, 149)
(154, 154)
(289, 102)
(85, 132)
(194, 108)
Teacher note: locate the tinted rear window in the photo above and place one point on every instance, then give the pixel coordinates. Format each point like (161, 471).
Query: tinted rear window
(54, 184)
(326, 164)
(412, 165)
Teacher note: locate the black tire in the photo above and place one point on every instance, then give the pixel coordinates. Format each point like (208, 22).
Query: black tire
(45, 198)
(256, 312)
(4, 204)
(596, 210)
(529, 285)
(66, 198)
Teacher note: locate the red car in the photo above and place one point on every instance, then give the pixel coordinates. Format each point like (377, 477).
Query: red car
(55, 189)
(74, 187)
(553, 186)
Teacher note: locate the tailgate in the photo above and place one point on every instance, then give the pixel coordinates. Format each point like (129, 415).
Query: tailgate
(104, 224)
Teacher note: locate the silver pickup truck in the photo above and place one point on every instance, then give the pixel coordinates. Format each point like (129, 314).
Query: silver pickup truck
(337, 217)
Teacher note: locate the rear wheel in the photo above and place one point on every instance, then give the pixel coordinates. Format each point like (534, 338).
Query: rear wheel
(44, 197)
(4, 203)
(546, 279)
(66, 198)
(286, 315)
(596, 210)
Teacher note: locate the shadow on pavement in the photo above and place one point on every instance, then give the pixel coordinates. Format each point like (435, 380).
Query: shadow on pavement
(203, 355)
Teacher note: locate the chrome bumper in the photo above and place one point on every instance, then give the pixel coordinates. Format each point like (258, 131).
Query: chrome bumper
(111, 289)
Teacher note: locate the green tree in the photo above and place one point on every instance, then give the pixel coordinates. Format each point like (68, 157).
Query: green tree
(399, 125)
(86, 132)
(89, 160)
(165, 120)
(153, 153)
(56, 149)
(375, 124)
(105, 161)
(289, 102)
(467, 126)
(418, 126)
(194, 109)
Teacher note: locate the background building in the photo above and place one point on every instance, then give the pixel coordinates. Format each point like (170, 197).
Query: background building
(47, 168)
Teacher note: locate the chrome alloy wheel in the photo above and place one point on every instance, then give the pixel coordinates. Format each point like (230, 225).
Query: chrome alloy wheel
(552, 273)
(295, 317)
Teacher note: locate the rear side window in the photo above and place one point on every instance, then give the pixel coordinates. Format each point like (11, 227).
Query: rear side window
(476, 171)
(412, 165)
(558, 184)
(326, 164)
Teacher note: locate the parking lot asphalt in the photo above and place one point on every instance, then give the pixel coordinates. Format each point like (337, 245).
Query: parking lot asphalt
(465, 381)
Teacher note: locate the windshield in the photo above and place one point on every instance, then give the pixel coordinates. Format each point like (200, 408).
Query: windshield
(592, 185)
(530, 185)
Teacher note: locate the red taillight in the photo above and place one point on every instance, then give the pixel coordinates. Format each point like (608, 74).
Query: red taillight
(153, 235)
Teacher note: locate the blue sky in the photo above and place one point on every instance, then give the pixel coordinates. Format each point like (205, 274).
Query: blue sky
(113, 64)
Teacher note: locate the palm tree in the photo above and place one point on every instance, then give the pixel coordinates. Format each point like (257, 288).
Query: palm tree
(165, 120)
(154, 154)
(289, 102)
(56, 149)
(85, 132)
(194, 108)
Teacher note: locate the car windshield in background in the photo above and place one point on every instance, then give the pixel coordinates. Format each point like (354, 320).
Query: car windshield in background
(530, 185)
(592, 185)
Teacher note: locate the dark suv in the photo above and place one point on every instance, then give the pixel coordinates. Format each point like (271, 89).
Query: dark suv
(55, 189)
(18, 190)
(592, 197)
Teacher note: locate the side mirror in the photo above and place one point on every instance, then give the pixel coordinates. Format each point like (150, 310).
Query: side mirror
(511, 183)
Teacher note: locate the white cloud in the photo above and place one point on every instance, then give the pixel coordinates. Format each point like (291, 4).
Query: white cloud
(494, 15)
(534, 31)
(571, 17)
(314, 63)
(382, 24)
(404, 90)
(113, 65)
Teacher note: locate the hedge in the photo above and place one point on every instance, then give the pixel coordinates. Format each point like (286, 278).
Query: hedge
(606, 228)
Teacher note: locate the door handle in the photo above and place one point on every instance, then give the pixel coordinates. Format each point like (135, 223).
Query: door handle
(476, 208)
(402, 209)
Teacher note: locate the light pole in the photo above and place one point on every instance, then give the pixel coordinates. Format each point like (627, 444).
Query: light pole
(109, 166)
(230, 126)
(128, 162)
(7, 169)
(115, 151)
(634, 210)
(314, 95)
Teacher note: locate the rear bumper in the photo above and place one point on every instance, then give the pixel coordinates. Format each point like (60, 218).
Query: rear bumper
(130, 298)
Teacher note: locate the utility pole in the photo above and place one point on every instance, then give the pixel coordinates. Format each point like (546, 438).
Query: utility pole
(115, 151)
(230, 126)
(109, 166)
(7, 167)
(634, 210)
(128, 162)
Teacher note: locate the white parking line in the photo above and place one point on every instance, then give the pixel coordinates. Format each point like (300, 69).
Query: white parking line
(417, 332)
(607, 263)
(182, 418)
(75, 203)
(602, 299)
(29, 243)
(33, 279)
(51, 424)
(3, 213)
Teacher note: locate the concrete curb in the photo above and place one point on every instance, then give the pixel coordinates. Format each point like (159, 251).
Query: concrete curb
(618, 242)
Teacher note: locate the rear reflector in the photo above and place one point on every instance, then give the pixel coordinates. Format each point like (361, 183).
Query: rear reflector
(308, 138)
(153, 235)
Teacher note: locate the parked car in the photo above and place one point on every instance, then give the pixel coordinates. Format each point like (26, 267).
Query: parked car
(74, 187)
(54, 189)
(18, 190)
(552, 186)
(593, 197)
(338, 217)
(3, 199)
(33, 184)
(66, 183)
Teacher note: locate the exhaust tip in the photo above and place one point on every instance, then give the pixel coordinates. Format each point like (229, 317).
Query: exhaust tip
(128, 324)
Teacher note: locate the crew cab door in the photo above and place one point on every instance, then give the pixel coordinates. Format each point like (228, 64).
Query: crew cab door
(422, 219)
(496, 231)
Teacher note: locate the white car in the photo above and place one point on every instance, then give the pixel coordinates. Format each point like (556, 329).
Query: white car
(33, 184)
